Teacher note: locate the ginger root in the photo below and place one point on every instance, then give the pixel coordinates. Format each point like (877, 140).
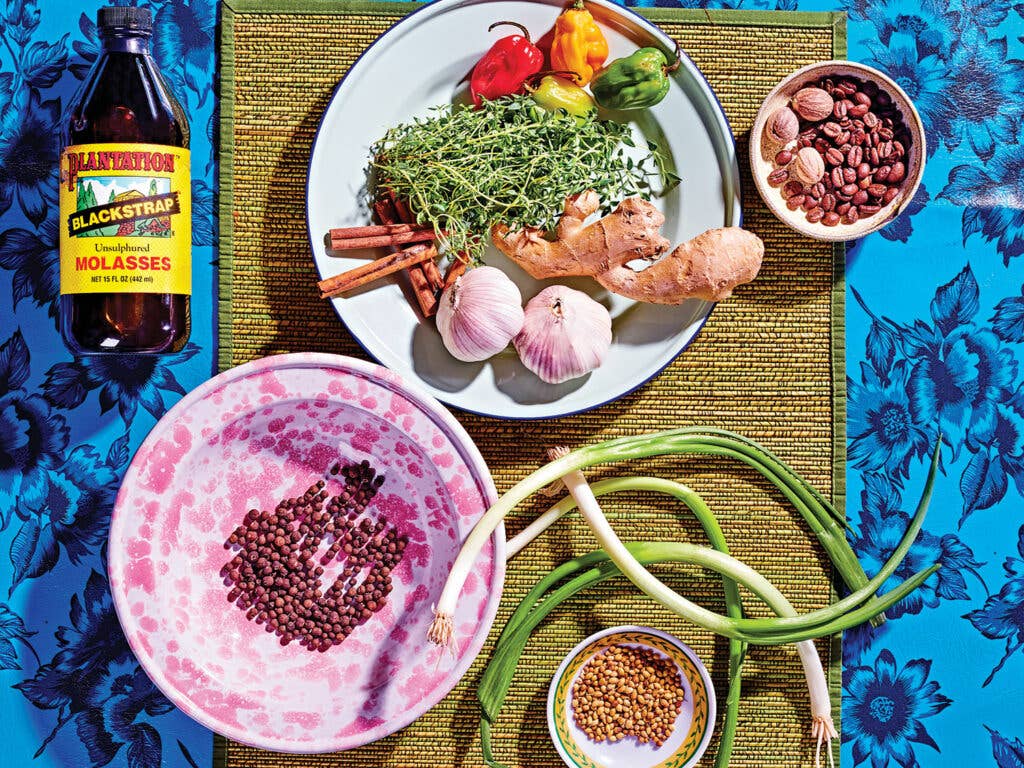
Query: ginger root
(630, 232)
(707, 267)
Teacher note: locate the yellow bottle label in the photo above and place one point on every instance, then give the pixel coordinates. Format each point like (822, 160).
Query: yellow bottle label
(125, 219)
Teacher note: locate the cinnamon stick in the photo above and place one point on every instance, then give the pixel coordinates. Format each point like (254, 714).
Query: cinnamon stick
(426, 298)
(371, 230)
(401, 209)
(422, 288)
(379, 241)
(433, 275)
(385, 212)
(367, 273)
(455, 270)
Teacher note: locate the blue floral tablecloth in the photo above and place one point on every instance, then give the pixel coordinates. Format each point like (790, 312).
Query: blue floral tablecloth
(935, 336)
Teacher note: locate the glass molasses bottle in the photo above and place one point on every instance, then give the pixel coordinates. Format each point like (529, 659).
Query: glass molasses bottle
(125, 201)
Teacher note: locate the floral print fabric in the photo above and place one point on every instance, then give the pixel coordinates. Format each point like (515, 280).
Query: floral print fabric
(71, 687)
(935, 338)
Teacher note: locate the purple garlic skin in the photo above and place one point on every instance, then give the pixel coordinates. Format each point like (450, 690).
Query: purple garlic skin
(565, 335)
(480, 314)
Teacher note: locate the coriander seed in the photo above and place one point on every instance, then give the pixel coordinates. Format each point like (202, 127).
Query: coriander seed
(628, 692)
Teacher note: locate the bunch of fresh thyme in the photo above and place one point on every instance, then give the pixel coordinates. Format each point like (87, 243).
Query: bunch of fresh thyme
(461, 170)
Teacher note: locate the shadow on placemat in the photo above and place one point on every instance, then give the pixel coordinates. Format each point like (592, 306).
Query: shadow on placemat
(768, 364)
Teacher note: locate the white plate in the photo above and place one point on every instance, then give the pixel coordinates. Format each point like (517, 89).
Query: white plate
(421, 62)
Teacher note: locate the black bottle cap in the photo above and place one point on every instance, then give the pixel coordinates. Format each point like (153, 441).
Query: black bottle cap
(124, 17)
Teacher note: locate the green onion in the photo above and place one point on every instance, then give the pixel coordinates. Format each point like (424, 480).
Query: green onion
(651, 586)
(511, 642)
(789, 627)
(822, 518)
(588, 571)
(596, 567)
(817, 684)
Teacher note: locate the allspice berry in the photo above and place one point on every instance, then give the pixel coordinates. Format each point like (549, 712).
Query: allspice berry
(813, 104)
(807, 167)
(783, 125)
(274, 575)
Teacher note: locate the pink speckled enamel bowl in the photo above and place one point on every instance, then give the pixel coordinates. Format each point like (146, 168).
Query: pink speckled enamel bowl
(248, 438)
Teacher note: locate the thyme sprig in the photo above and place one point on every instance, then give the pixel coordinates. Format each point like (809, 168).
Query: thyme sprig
(463, 170)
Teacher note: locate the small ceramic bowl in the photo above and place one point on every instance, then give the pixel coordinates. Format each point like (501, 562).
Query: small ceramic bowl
(763, 150)
(693, 727)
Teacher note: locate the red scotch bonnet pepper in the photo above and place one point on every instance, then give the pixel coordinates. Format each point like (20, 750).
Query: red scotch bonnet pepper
(504, 68)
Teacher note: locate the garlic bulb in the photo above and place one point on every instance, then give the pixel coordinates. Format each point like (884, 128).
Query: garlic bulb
(480, 314)
(565, 334)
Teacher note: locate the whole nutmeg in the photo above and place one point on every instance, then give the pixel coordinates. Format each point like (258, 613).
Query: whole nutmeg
(783, 125)
(813, 104)
(808, 166)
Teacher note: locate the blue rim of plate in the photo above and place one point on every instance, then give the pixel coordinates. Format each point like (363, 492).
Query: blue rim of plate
(737, 197)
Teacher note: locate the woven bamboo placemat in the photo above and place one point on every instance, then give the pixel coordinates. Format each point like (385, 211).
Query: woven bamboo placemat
(768, 364)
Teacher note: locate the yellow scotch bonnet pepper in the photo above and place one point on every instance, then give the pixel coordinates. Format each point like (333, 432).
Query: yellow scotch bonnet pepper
(555, 93)
(578, 44)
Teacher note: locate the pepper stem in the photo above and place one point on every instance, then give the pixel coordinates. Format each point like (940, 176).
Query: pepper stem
(524, 30)
(533, 81)
(678, 54)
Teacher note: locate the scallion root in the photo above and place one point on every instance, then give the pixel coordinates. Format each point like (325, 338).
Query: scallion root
(788, 627)
(441, 629)
(823, 731)
(817, 684)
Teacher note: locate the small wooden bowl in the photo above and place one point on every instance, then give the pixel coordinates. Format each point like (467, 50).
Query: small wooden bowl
(763, 150)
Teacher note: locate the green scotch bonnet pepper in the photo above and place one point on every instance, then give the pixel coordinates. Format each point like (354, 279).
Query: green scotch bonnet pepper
(637, 81)
(553, 93)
